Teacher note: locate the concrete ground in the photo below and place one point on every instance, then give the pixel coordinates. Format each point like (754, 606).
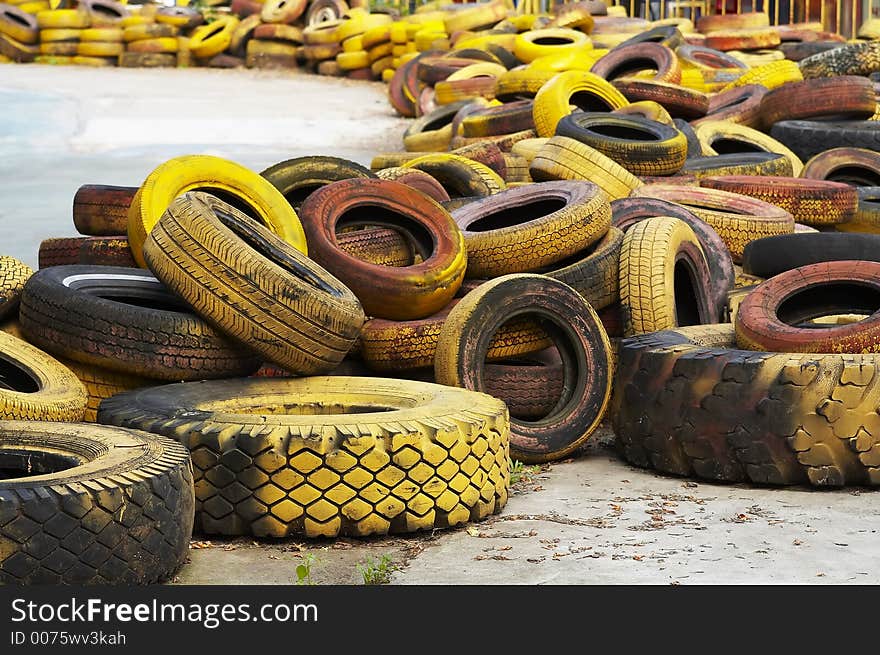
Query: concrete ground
(590, 519)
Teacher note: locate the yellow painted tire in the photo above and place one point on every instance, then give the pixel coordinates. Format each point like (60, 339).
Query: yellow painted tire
(647, 109)
(167, 45)
(771, 75)
(213, 38)
(148, 31)
(322, 33)
(376, 36)
(425, 457)
(45, 389)
(102, 383)
(13, 275)
(561, 158)
(709, 132)
(359, 24)
(63, 19)
(59, 35)
(528, 149)
(528, 46)
(61, 48)
(97, 49)
(97, 62)
(353, 44)
(568, 61)
(353, 60)
(481, 15)
(462, 176)
(135, 19)
(588, 91)
(34, 7)
(193, 172)
(379, 51)
(19, 25)
(101, 34)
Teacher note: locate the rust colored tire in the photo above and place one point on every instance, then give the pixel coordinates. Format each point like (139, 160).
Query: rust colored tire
(626, 60)
(732, 21)
(855, 166)
(752, 39)
(578, 335)
(707, 57)
(431, 70)
(811, 202)
(398, 293)
(413, 177)
(494, 121)
(626, 212)
(531, 227)
(97, 251)
(677, 100)
(402, 103)
(388, 346)
(846, 97)
(741, 105)
(486, 153)
(100, 210)
(378, 246)
(529, 386)
(298, 178)
(460, 176)
(739, 163)
(771, 318)
(737, 219)
(642, 146)
(124, 319)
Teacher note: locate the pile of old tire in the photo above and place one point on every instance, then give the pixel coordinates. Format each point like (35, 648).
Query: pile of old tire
(233, 291)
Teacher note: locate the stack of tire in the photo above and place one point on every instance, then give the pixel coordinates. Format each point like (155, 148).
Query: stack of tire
(19, 34)
(60, 31)
(230, 295)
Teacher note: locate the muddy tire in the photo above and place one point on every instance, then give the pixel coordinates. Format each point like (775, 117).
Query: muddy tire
(102, 505)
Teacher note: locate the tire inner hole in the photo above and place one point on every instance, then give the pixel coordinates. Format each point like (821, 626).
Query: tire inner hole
(15, 17)
(687, 308)
(517, 215)
(26, 463)
(531, 384)
(236, 201)
(804, 306)
(217, 29)
(163, 302)
(731, 104)
(15, 378)
(631, 66)
(858, 175)
(728, 210)
(587, 101)
(552, 40)
(297, 195)
(629, 132)
(419, 238)
(726, 146)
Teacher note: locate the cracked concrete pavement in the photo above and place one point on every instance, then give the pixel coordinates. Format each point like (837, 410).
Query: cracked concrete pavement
(591, 519)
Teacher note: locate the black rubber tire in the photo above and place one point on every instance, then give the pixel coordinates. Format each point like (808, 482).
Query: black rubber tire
(809, 138)
(297, 178)
(328, 456)
(668, 35)
(102, 505)
(774, 255)
(626, 212)
(798, 51)
(579, 337)
(252, 285)
(642, 146)
(91, 314)
(687, 402)
(694, 147)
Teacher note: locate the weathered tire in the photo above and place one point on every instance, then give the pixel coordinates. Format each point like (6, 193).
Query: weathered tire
(562, 158)
(125, 320)
(433, 131)
(460, 176)
(383, 456)
(625, 60)
(765, 164)
(252, 285)
(845, 97)
(856, 166)
(772, 317)
(531, 227)
(688, 403)
(529, 386)
(410, 345)
(737, 219)
(13, 275)
(504, 119)
(36, 387)
(416, 179)
(627, 212)
(771, 256)
(703, 57)
(97, 505)
(809, 138)
(642, 146)
(297, 178)
(664, 278)
(723, 137)
(219, 177)
(101, 210)
(578, 335)
(397, 293)
(101, 383)
(679, 101)
(849, 59)
(741, 105)
(96, 251)
(810, 202)
(581, 89)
